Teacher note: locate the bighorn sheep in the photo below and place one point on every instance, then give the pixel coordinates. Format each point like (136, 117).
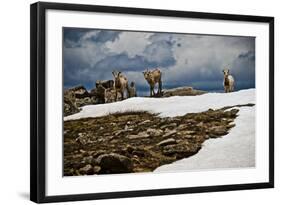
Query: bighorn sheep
(132, 90)
(120, 84)
(153, 77)
(228, 81)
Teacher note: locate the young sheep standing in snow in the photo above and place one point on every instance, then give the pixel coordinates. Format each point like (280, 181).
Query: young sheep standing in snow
(228, 81)
(153, 77)
(120, 84)
(132, 90)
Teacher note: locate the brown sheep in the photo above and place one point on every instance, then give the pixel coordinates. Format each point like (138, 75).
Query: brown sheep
(153, 77)
(120, 84)
(228, 81)
(132, 90)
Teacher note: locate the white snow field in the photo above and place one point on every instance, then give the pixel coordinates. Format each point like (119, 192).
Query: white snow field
(235, 150)
(170, 106)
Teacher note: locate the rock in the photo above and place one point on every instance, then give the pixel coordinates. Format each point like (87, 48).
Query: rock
(140, 135)
(96, 169)
(230, 125)
(231, 113)
(144, 122)
(167, 142)
(109, 95)
(82, 151)
(170, 133)
(88, 160)
(105, 83)
(127, 128)
(130, 148)
(79, 90)
(84, 101)
(154, 132)
(88, 169)
(168, 126)
(99, 152)
(70, 106)
(118, 132)
(185, 134)
(218, 130)
(182, 126)
(182, 91)
(139, 153)
(114, 163)
(82, 138)
(182, 150)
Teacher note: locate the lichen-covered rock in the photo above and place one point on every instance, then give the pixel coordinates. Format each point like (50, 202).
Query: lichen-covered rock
(70, 106)
(182, 91)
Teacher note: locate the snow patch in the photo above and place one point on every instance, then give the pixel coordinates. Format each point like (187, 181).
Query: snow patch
(235, 150)
(170, 106)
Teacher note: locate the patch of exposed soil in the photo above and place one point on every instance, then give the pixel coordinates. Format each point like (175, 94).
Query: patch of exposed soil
(139, 141)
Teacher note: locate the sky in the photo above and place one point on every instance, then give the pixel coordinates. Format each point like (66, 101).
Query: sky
(184, 59)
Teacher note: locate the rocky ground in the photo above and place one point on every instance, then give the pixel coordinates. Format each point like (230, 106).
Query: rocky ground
(139, 141)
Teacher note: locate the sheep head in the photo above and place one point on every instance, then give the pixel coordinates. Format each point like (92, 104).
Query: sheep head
(225, 72)
(146, 74)
(116, 74)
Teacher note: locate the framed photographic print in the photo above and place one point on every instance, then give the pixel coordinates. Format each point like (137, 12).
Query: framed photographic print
(129, 102)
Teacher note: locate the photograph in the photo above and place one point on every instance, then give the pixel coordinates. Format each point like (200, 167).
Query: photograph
(144, 101)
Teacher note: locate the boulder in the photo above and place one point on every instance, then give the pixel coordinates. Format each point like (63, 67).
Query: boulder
(114, 163)
(109, 95)
(180, 150)
(105, 83)
(70, 106)
(182, 91)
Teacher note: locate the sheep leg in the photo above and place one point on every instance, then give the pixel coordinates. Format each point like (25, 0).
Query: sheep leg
(116, 93)
(160, 87)
(153, 90)
(150, 91)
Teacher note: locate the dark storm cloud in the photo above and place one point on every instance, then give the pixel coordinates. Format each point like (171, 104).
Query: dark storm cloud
(250, 55)
(73, 36)
(185, 60)
(122, 62)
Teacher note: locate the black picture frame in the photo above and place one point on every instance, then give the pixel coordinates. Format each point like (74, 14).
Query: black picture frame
(38, 100)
